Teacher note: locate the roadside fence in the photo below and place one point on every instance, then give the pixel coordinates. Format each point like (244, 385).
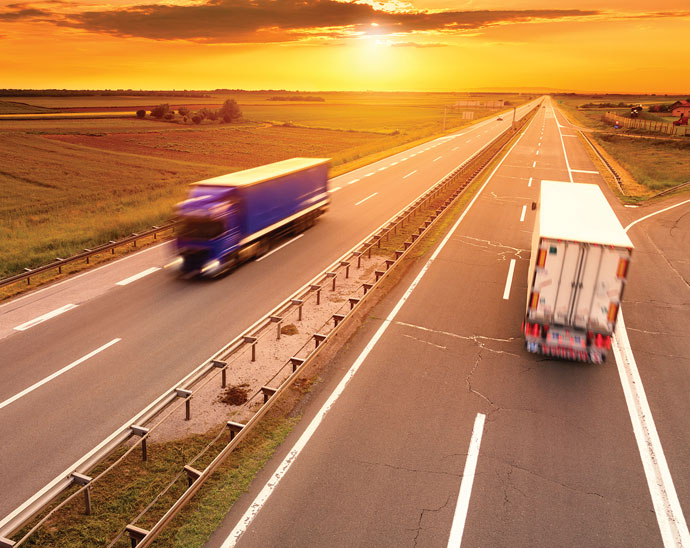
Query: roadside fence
(650, 125)
(412, 222)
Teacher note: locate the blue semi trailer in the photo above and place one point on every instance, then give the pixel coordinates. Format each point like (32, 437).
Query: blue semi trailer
(231, 218)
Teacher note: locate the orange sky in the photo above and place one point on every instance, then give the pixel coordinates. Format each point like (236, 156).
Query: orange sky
(423, 45)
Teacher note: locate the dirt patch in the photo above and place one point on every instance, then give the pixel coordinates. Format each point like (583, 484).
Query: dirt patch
(235, 395)
(290, 329)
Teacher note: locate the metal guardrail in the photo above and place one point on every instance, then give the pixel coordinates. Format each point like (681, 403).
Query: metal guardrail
(672, 189)
(87, 254)
(76, 474)
(615, 174)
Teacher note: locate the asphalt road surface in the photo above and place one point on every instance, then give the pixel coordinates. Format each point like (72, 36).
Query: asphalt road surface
(81, 357)
(434, 427)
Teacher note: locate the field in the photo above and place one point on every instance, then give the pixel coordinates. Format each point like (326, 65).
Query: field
(655, 161)
(66, 185)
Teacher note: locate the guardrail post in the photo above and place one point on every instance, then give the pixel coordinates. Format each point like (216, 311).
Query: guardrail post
(333, 276)
(296, 362)
(88, 256)
(389, 263)
(192, 474)
(369, 251)
(319, 338)
(317, 288)
(268, 392)
(59, 272)
(252, 341)
(142, 432)
(223, 366)
(187, 395)
(235, 428)
(6, 543)
(136, 534)
(337, 318)
(398, 253)
(155, 234)
(81, 479)
(112, 249)
(353, 302)
(277, 320)
(28, 279)
(346, 264)
(135, 240)
(358, 254)
(298, 303)
(367, 287)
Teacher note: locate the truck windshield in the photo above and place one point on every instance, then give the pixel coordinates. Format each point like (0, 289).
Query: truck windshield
(200, 230)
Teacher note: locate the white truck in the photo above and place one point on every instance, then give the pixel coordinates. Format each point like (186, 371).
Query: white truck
(577, 273)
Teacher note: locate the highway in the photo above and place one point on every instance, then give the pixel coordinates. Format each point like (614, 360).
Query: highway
(436, 428)
(81, 357)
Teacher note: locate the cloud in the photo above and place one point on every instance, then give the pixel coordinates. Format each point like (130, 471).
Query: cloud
(23, 13)
(247, 21)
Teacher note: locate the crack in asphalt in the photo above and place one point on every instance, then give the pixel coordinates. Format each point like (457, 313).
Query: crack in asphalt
(425, 342)
(516, 251)
(406, 469)
(421, 517)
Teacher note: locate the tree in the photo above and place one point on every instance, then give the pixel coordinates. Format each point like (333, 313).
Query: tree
(141, 113)
(230, 111)
(196, 119)
(183, 111)
(160, 110)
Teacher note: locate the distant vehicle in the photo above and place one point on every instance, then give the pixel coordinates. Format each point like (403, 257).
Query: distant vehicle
(499, 119)
(231, 218)
(577, 273)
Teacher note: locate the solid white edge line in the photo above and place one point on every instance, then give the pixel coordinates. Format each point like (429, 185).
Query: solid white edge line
(365, 199)
(136, 277)
(460, 516)
(410, 173)
(87, 273)
(279, 248)
(655, 213)
(522, 215)
(669, 514)
(509, 280)
(57, 373)
(584, 171)
(254, 508)
(45, 317)
(565, 155)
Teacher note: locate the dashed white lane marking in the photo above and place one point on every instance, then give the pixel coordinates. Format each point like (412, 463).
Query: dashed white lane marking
(403, 159)
(509, 280)
(334, 189)
(530, 182)
(410, 173)
(534, 164)
(365, 199)
(45, 317)
(394, 164)
(353, 181)
(522, 215)
(435, 159)
(279, 248)
(456, 148)
(383, 168)
(57, 373)
(368, 174)
(537, 153)
(460, 516)
(138, 276)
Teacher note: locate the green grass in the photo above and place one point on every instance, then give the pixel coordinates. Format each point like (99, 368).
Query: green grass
(66, 185)
(655, 161)
(133, 484)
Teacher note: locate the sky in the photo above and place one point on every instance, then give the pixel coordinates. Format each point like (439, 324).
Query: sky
(609, 46)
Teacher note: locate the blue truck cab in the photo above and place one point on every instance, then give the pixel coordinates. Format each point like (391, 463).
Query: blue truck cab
(231, 218)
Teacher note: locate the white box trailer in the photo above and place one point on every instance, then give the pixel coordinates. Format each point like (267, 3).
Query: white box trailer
(577, 273)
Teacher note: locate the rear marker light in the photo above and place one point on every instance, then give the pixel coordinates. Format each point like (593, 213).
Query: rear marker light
(541, 260)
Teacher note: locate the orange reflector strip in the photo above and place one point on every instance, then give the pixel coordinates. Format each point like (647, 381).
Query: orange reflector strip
(541, 260)
(535, 301)
(622, 268)
(613, 312)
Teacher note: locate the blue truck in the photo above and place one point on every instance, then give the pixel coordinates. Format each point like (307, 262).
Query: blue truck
(231, 218)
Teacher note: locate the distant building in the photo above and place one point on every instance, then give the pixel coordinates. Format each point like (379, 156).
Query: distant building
(680, 108)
